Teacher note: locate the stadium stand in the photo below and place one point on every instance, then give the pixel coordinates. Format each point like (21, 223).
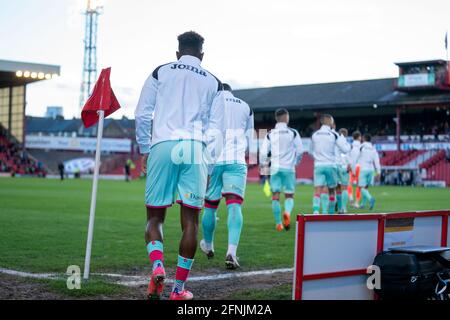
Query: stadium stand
(17, 161)
(399, 158)
(437, 167)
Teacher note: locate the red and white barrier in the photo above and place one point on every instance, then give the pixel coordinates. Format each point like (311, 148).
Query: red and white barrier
(332, 252)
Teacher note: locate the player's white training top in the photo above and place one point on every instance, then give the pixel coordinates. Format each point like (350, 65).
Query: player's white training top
(238, 128)
(342, 159)
(368, 158)
(179, 100)
(354, 154)
(323, 143)
(283, 145)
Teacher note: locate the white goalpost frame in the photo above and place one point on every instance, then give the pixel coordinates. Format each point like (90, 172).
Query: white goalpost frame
(87, 261)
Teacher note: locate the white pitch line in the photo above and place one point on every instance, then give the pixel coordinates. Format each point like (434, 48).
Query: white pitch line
(29, 275)
(135, 281)
(221, 276)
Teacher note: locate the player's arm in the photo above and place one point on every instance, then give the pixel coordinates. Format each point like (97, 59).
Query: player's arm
(298, 145)
(376, 161)
(355, 153)
(143, 115)
(251, 141)
(264, 151)
(342, 144)
(215, 131)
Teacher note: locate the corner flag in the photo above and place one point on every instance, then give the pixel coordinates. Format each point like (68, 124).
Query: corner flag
(102, 98)
(101, 104)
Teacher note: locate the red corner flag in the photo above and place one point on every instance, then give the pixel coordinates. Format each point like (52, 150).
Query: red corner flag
(102, 98)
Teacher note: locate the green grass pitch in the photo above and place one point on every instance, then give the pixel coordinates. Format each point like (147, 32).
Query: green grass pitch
(44, 224)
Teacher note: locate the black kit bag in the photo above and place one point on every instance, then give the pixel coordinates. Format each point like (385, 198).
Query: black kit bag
(408, 275)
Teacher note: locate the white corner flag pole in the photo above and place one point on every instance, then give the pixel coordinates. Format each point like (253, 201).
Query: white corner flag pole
(87, 261)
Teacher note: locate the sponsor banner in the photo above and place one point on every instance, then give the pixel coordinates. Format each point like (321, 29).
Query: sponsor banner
(413, 146)
(398, 233)
(76, 143)
(81, 165)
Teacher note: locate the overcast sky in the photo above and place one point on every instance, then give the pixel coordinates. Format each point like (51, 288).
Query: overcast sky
(249, 43)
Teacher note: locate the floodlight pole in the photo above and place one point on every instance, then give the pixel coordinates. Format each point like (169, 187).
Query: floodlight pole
(87, 261)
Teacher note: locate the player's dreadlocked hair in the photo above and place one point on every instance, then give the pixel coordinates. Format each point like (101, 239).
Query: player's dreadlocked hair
(190, 41)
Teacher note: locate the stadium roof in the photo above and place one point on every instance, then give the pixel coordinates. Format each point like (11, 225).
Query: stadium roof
(349, 94)
(14, 73)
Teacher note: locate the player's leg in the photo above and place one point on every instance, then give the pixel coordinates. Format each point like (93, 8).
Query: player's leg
(339, 189)
(366, 180)
(358, 188)
(288, 207)
(362, 184)
(275, 186)
(234, 224)
(192, 180)
(344, 199)
(289, 191)
(320, 191)
(188, 247)
(316, 200)
(155, 250)
(209, 219)
(344, 180)
(276, 209)
(324, 200)
(350, 186)
(160, 187)
(234, 183)
(332, 178)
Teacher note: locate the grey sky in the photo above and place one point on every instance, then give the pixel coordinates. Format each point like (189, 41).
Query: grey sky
(249, 43)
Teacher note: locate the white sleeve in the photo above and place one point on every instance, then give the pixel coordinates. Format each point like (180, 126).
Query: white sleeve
(249, 131)
(144, 113)
(264, 150)
(298, 144)
(215, 128)
(252, 145)
(355, 158)
(342, 144)
(250, 122)
(376, 161)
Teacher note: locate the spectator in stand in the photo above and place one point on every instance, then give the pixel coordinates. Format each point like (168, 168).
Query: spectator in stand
(435, 131)
(447, 155)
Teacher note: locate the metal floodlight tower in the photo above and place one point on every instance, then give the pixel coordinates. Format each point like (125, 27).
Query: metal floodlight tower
(94, 8)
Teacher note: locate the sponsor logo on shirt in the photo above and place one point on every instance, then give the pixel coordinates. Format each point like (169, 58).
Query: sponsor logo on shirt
(188, 67)
(190, 195)
(233, 100)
